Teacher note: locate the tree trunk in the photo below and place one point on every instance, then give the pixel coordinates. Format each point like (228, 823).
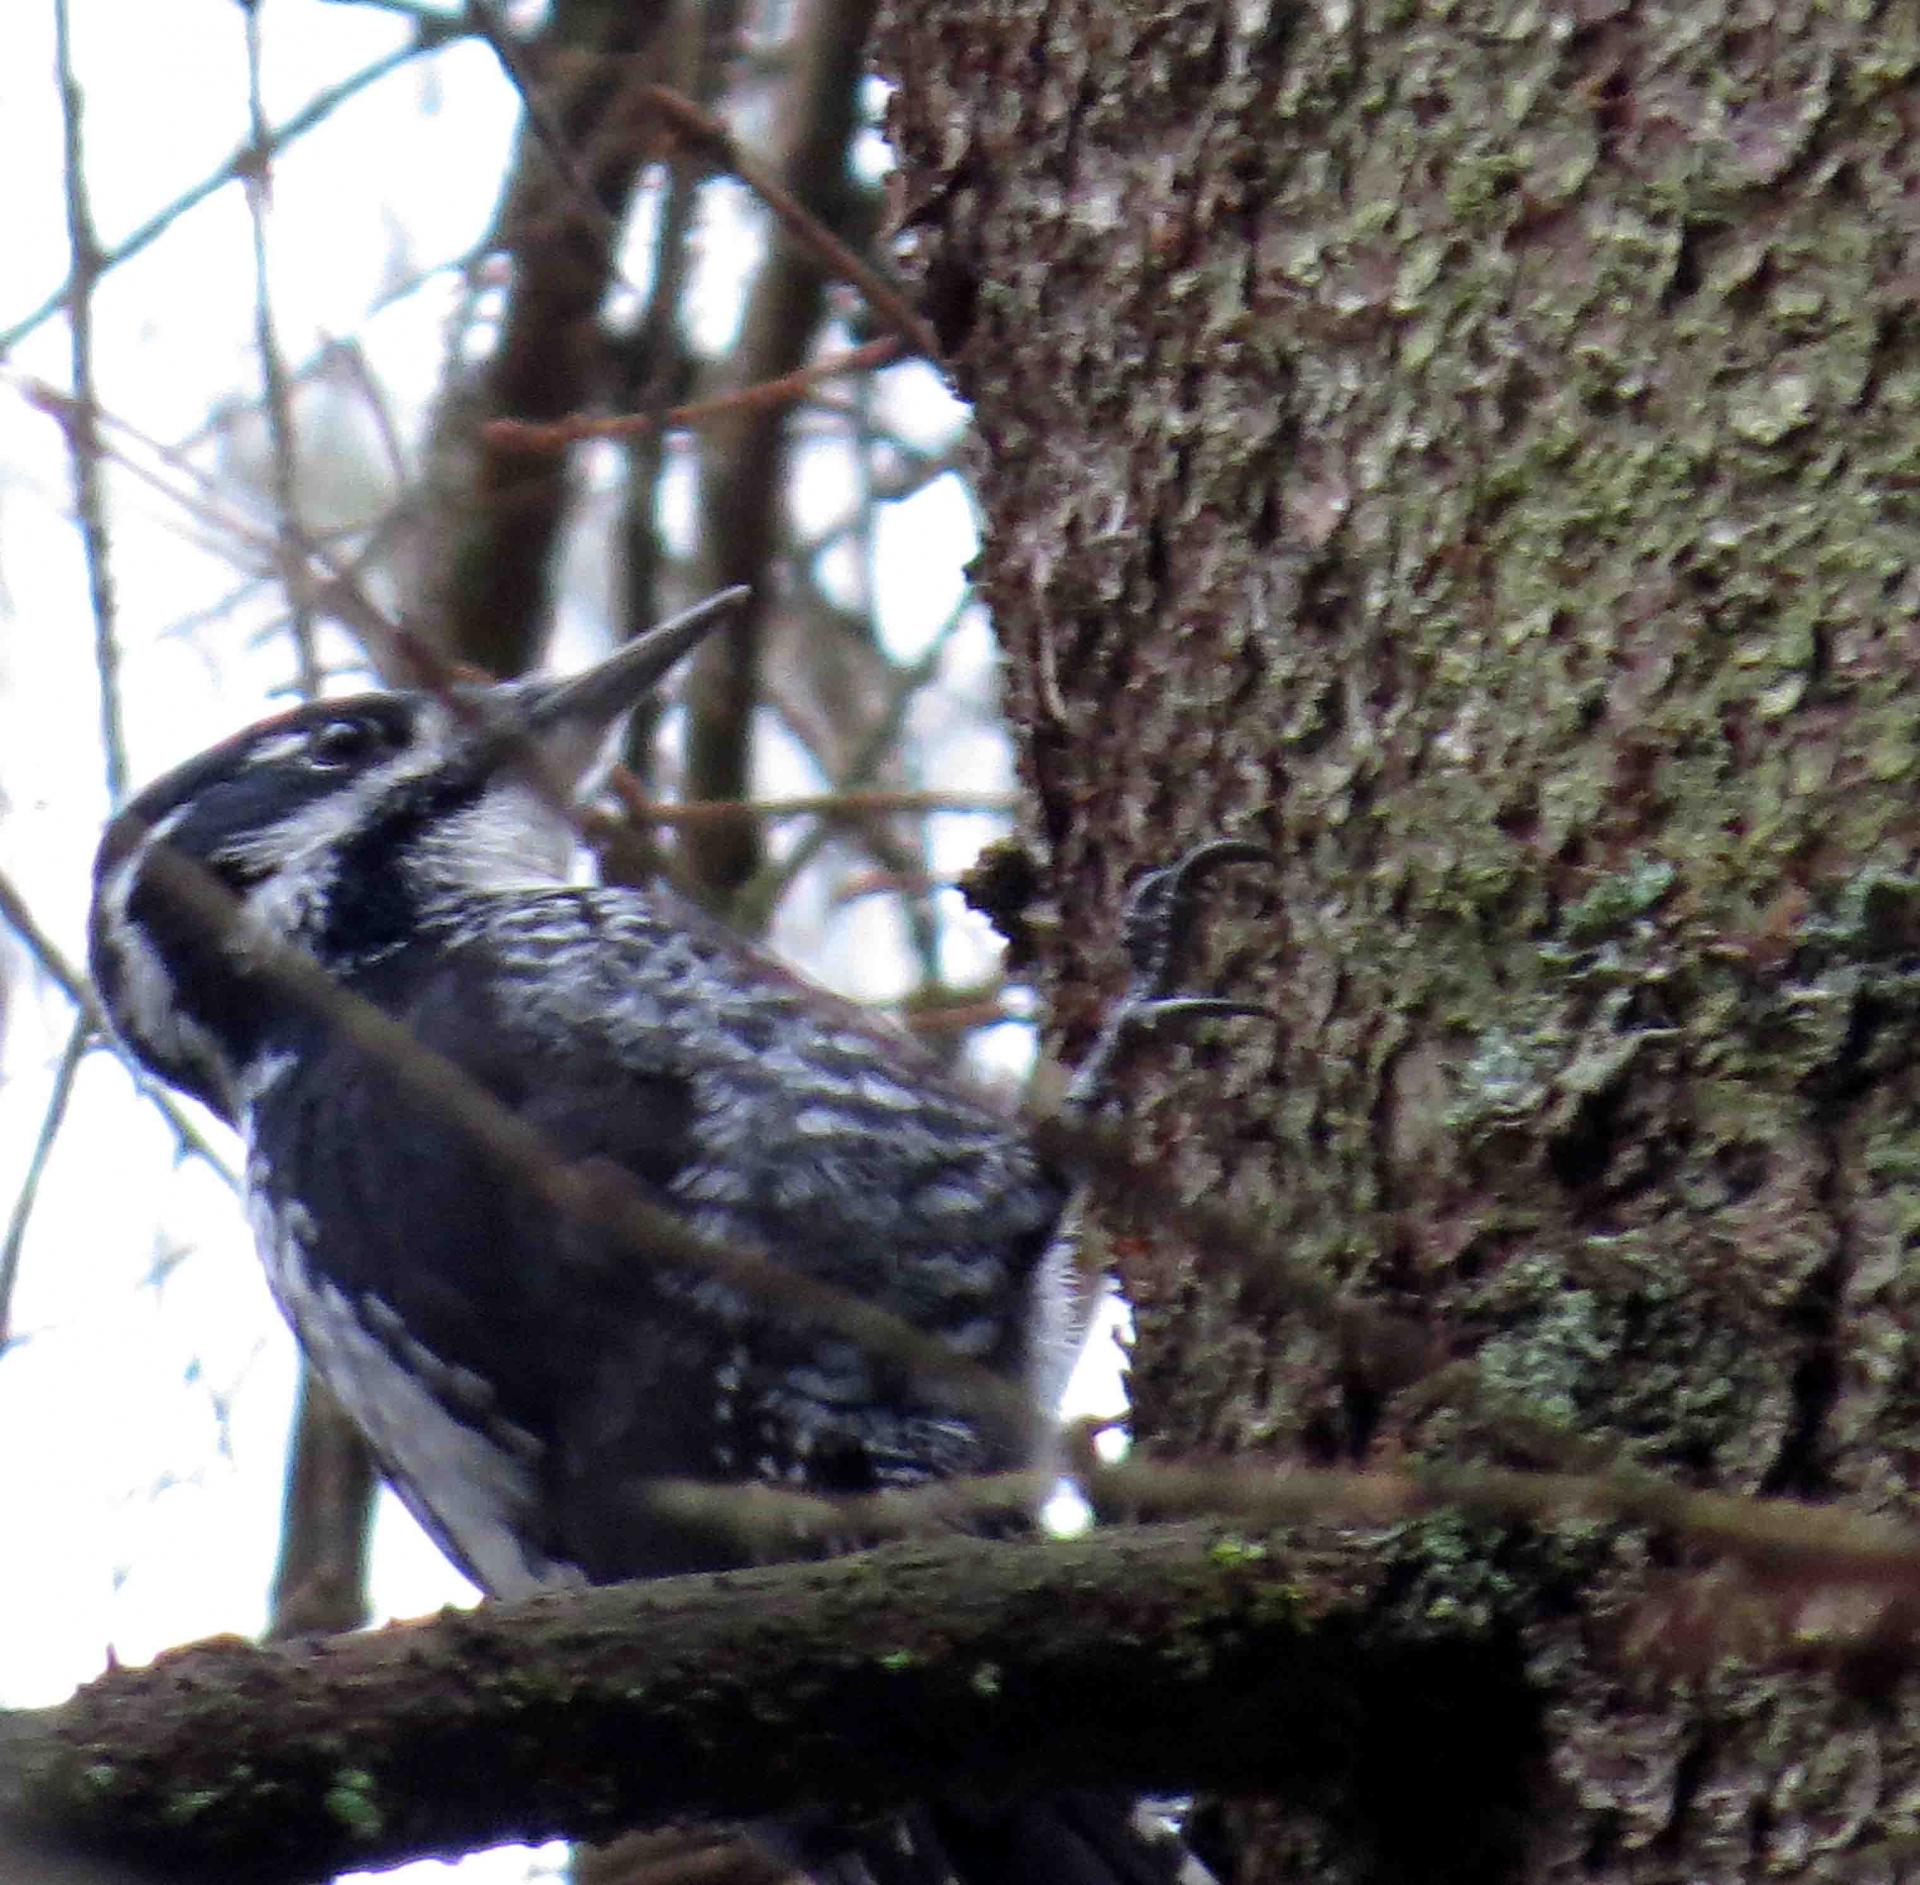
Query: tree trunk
(1471, 452)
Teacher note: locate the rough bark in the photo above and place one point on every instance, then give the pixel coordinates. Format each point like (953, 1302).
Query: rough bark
(1164, 1656)
(1472, 452)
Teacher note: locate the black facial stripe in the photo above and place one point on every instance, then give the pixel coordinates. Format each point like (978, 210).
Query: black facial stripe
(372, 906)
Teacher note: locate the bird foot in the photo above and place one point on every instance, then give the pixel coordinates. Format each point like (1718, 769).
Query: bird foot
(1160, 918)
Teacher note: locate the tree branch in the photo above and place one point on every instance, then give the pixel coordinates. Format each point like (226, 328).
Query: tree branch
(1160, 1657)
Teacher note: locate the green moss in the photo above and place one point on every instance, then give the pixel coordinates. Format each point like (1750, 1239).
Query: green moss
(1447, 1577)
(183, 1808)
(353, 1803)
(1234, 1550)
(1617, 900)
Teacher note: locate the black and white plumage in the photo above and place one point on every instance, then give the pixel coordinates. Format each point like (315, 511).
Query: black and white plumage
(526, 1381)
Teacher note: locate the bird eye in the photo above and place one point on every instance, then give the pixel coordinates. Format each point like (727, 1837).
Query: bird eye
(341, 743)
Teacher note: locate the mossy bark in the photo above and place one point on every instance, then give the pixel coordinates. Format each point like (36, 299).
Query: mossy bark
(1158, 1657)
(1475, 452)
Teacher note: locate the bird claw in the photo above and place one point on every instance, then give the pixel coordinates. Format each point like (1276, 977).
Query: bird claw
(1160, 916)
(1160, 913)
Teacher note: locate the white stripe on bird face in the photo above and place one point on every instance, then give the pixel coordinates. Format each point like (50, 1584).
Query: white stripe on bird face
(146, 1006)
(297, 857)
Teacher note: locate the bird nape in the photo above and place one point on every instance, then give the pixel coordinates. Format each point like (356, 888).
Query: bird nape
(529, 1377)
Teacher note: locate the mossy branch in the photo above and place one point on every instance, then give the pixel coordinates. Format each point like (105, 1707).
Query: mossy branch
(1165, 1657)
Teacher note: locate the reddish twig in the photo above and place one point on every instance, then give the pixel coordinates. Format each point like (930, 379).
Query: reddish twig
(638, 806)
(524, 435)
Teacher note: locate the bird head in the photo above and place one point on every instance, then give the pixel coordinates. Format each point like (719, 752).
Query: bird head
(340, 826)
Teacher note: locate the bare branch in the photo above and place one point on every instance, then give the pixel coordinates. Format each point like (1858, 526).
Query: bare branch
(422, 14)
(495, 516)
(320, 1580)
(758, 897)
(78, 990)
(86, 266)
(782, 391)
(1781, 1538)
(1389, 1351)
(548, 131)
(850, 804)
(744, 465)
(70, 1058)
(240, 540)
(703, 134)
(277, 397)
(1168, 1657)
(429, 35)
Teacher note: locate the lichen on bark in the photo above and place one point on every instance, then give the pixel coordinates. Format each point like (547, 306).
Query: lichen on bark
(1472, 451)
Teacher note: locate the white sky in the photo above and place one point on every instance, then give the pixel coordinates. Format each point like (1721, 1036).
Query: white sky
(143, 1411)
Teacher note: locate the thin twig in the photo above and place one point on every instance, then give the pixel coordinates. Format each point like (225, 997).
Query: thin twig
(701, 132)
(763, 891)
(548, 131)
(276, 394)
(51, 1121)
(524, 435)
(214, 613)
(47, 953)
(423, 13)
(920, 470)
(341, 592)
(205, 506)
(81, 426)
(428, 37)
(1783, 1538)
(349, 358)
(189, 1139)
(1387, 1350)
(928, 1016)
(853, 804)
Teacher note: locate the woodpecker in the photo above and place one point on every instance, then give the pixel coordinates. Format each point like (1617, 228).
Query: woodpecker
(526, 1379)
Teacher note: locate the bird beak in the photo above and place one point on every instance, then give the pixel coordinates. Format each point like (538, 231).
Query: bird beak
(595, 700)
(570, 720)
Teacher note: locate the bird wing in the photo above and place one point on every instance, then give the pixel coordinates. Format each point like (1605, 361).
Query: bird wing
(757, 1111)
